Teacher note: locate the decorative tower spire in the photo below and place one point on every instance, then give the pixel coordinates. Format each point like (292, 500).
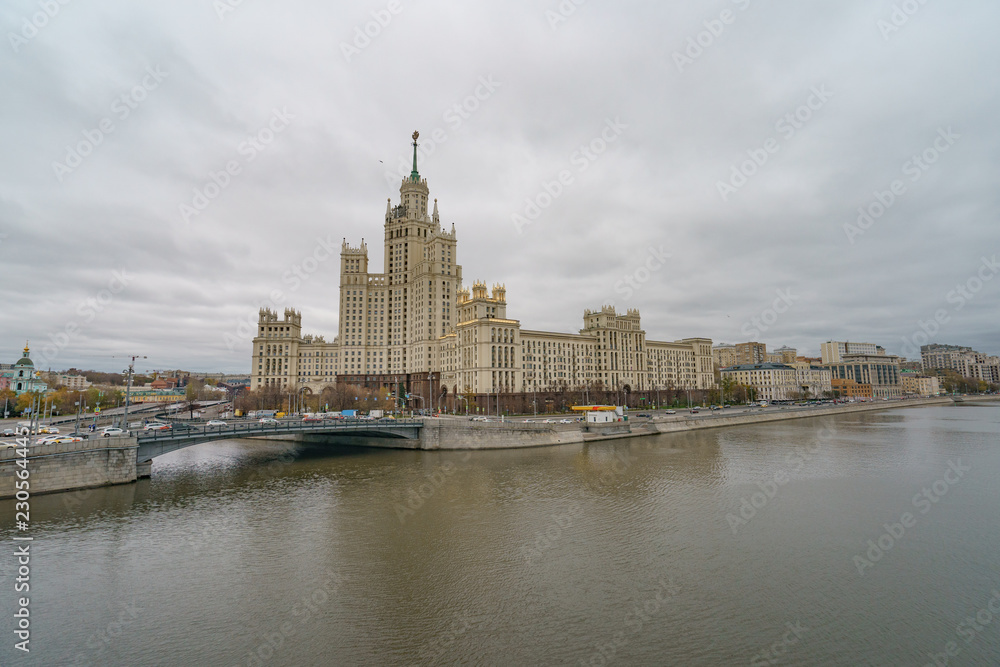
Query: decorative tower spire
(388, 207)
(436, 218)
(414, 175)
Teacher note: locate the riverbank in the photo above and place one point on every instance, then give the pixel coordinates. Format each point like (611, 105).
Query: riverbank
(456, 434)
(93, 463)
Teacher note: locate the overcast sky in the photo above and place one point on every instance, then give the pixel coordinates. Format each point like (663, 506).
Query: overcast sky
(714, 157)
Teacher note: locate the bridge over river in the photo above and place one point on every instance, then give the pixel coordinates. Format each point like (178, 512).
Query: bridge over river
(185, 434)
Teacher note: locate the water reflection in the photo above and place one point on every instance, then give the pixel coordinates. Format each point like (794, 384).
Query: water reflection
(540, 556)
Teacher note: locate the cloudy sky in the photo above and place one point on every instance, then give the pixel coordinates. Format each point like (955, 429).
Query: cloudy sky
(783, 172)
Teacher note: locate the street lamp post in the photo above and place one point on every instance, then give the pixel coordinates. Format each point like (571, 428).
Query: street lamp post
(129, 372)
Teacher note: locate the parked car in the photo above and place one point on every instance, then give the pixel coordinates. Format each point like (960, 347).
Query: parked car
(112, 431)
(214, 423)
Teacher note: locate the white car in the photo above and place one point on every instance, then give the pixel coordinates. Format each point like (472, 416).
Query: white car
(565, 421)
(267, 420)
(112, 431)
(214, 423)
(58, 439)
(49, 439)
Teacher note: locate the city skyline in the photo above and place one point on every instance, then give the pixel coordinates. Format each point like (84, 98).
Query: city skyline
(847, 195)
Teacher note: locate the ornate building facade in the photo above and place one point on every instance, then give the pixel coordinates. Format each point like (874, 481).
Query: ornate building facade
(22, 377)
(416, 327)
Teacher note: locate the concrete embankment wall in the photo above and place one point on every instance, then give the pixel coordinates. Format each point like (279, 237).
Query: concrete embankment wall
(456, 434)
(70, 465)
(682, 423)
(463, 434)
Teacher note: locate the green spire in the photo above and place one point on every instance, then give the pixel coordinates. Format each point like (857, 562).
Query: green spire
(414, 175)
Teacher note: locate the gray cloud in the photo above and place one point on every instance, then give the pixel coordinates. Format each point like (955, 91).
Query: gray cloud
(192, 281)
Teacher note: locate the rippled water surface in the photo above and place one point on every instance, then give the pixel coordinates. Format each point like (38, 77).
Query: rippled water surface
(745, 545)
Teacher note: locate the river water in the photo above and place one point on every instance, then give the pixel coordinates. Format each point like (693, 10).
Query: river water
(746, 545)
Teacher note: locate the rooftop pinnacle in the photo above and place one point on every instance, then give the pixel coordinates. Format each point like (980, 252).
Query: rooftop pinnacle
(414, 175)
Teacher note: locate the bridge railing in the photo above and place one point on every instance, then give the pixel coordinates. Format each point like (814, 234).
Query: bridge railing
(181, 430)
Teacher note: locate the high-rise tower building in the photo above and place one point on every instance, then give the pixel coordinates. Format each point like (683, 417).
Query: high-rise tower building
(415, 326)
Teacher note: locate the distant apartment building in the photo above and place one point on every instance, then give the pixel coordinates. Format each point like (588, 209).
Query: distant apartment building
(813, 380)
(833, 351)
(915, 384)
(724, 355)
(74, 382)
(751, 353)
(963, 360)
(881, 371)
(851, 389)
(772, 382)
(788, 354)
(936, 356)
